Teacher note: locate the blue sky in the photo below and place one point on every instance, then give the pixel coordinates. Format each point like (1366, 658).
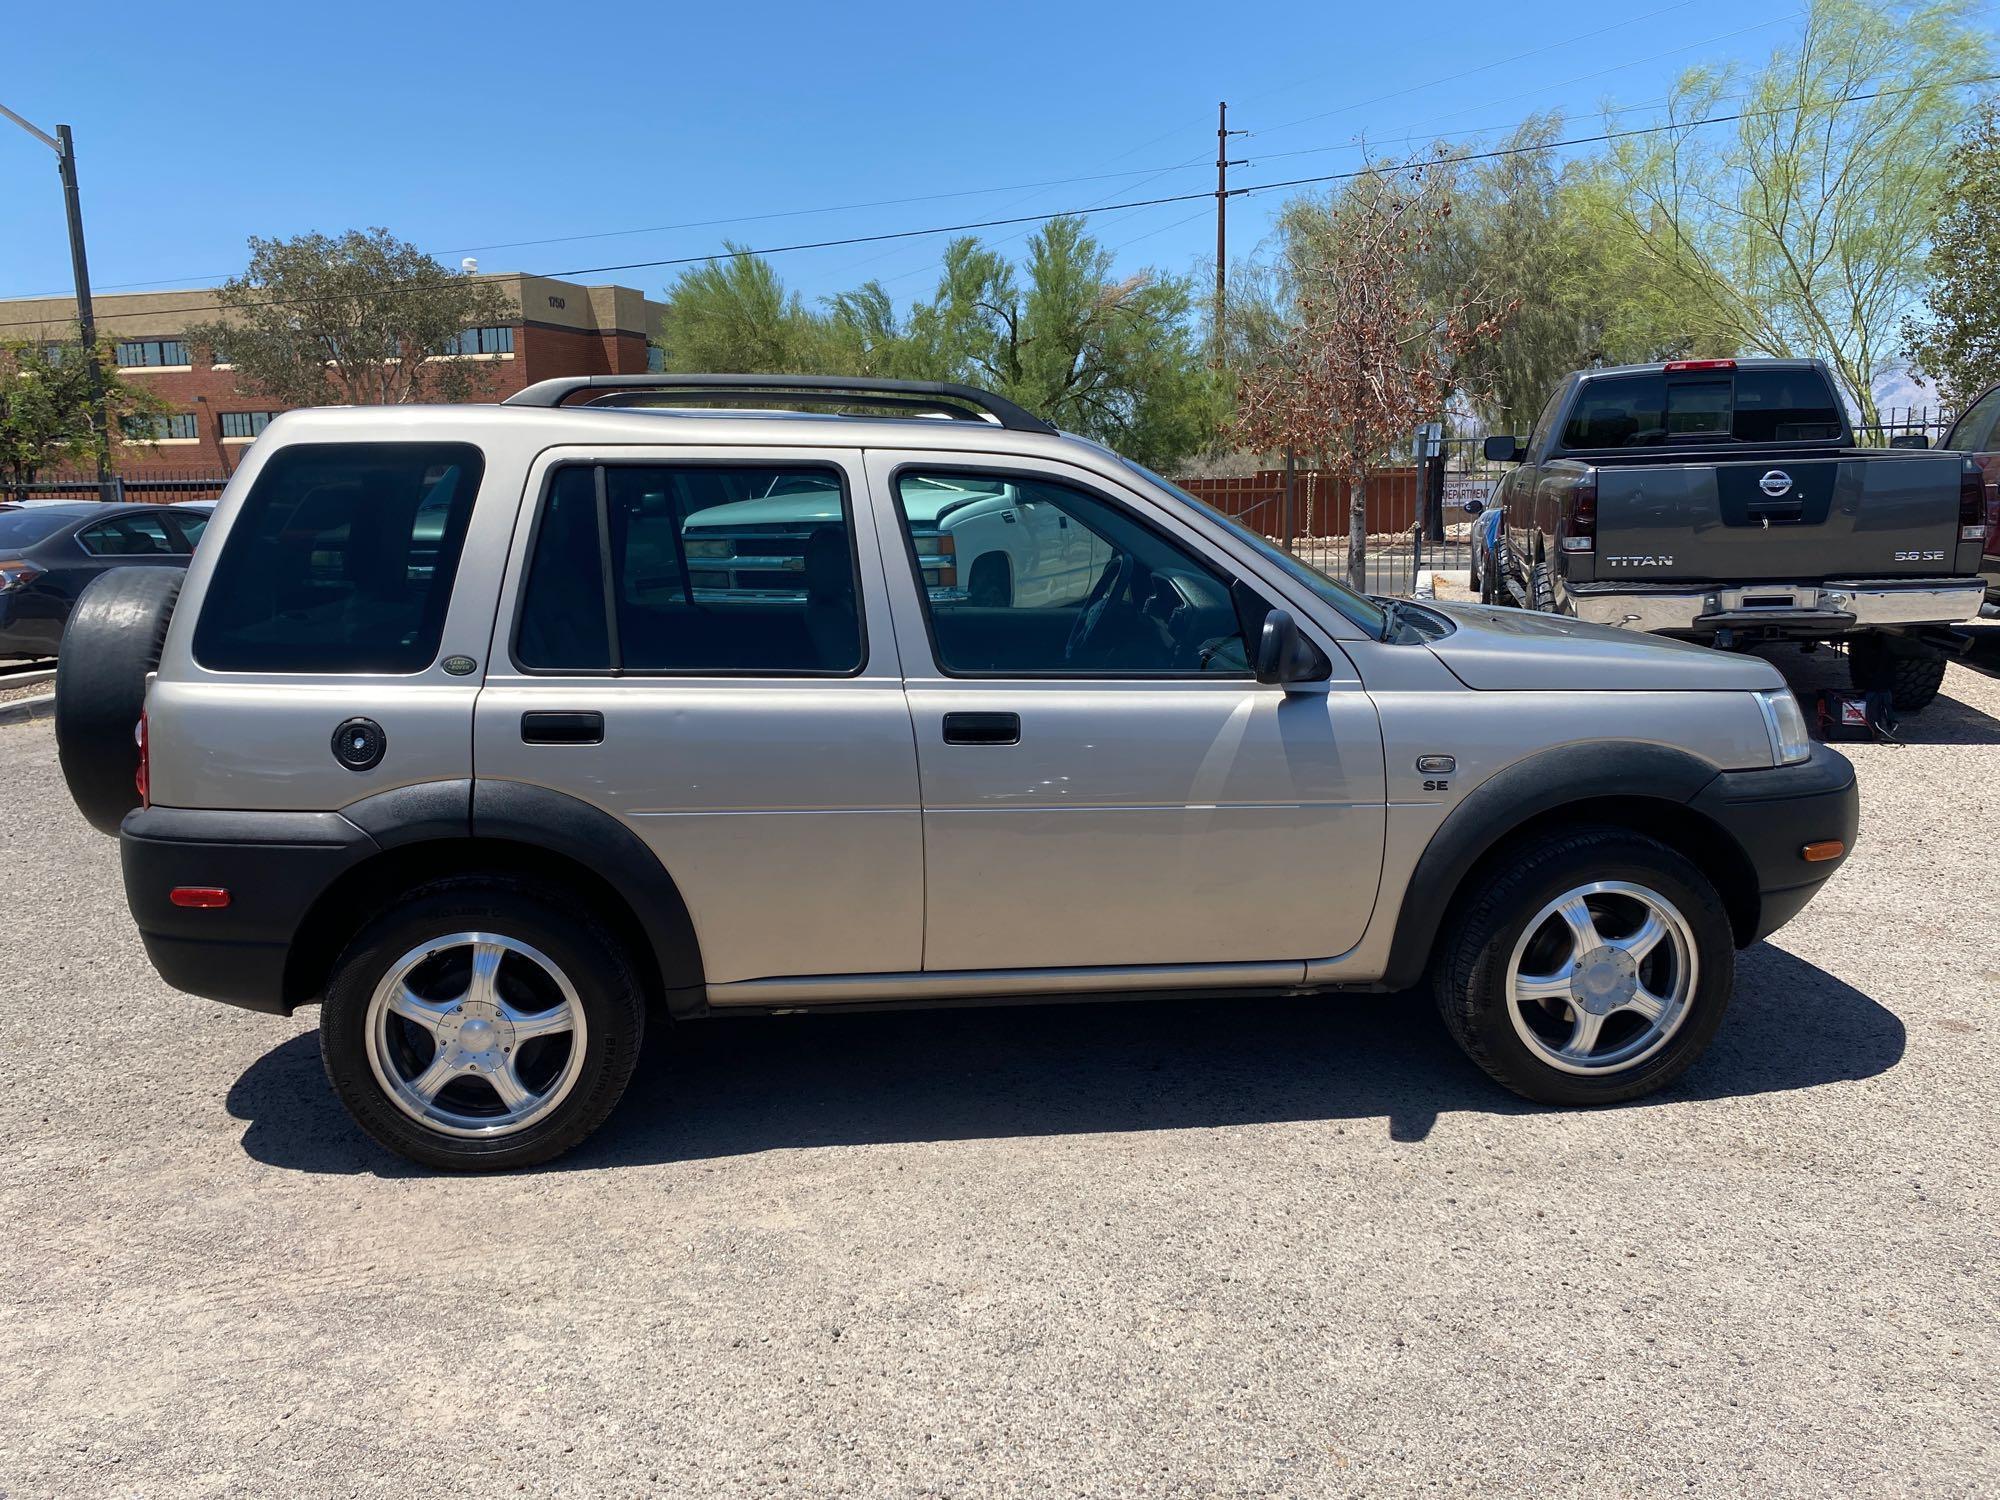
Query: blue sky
(472, 129)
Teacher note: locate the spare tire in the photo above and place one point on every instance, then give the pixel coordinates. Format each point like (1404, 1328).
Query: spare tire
(111, 643)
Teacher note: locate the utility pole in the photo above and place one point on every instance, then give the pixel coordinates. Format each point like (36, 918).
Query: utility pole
(64, 146)
(1222, 166)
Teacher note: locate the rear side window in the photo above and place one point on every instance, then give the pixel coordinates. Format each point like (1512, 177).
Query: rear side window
(696, 568)
(1746, 406)
(129, 536)
(341, 560)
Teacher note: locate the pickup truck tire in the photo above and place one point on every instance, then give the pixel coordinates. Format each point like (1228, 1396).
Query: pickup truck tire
(991, 582)
(533, 1056)
(1910, 672)
(110, 643)
(1509, 933)
(1541, 589)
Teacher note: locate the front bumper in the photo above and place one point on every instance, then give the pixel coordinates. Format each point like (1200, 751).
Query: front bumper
(1816, 610)
(274, 866)
(1773, 815)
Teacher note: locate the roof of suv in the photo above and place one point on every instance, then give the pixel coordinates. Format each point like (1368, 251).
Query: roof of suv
(551, 426)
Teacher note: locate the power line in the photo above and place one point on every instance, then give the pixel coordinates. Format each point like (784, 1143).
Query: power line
(1042, 218)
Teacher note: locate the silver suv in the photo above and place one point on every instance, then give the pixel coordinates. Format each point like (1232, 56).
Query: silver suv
(473, 726)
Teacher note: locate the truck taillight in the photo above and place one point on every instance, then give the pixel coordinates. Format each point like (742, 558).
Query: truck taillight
(1579, 520)
(1975, 523)
(142, 778)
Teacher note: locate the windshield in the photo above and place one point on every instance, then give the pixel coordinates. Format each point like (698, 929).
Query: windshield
(23, 528)
(1356, 608)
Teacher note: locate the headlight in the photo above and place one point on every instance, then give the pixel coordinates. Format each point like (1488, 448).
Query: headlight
(697, 548)
(1786, 725)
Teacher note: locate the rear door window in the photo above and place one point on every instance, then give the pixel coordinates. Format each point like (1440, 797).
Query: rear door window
(341, 560)
(692, 569)
(128, 536)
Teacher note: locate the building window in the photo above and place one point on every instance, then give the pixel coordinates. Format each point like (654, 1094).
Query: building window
(139, 354)
(218, 357)
(245, 424)
(175, 425)
(481, 341)
(656, 359)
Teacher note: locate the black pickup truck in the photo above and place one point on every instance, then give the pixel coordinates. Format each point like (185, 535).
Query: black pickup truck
(1725, 501)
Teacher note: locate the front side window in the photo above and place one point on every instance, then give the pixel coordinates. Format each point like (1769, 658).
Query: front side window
(128, 536)
(1032, 577)
(1978, 431)
(706, 569)
(341, 560)
(139, 354)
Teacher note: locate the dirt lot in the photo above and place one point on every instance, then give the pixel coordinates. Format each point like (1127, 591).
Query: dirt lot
(1235, 1249)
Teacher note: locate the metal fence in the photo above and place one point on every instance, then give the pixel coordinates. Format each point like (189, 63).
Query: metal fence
(141, 484)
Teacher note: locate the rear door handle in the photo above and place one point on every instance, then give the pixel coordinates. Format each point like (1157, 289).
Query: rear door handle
(982, 729)
(578, 727)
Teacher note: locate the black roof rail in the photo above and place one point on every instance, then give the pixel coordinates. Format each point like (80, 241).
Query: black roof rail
(940, 397)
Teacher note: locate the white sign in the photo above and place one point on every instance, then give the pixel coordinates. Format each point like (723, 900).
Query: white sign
(1458, 491)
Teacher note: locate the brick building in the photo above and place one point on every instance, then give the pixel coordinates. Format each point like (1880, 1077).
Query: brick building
(558, 328)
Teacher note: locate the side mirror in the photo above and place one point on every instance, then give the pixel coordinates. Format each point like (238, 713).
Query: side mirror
(1909, 440)
(1505, 449)
(1473, 506)
(1282, 654)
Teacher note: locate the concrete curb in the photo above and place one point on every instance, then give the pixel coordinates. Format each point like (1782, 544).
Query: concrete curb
(27, 679)
(22, 710)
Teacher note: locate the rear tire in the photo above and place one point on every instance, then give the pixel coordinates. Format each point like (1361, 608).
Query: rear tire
(1492, 975)
(112, 641)
(467, 1073)
(1911, 675)
(1541, 589)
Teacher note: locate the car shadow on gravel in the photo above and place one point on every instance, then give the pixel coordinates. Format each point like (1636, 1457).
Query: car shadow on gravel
(747, 1084)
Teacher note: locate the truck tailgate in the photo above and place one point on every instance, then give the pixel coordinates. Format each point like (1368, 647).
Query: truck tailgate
(1879, 514)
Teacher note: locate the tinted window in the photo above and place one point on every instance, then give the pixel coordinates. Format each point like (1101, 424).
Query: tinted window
(1749, 406)
(192, 524)
(1975, 431)
(128, 536)
(709, 569)
(1033, 578)
(24, 528)
(1784, 406)
(341, 560)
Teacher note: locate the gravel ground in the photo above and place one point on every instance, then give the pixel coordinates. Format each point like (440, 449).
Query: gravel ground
(1237, 1249)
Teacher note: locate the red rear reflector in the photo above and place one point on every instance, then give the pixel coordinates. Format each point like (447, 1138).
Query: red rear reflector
(1700, 364)
(207, 897)
(1823, 850)
(142, 774)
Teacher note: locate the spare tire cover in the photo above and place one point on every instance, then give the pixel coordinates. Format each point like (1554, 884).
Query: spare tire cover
(112, 641)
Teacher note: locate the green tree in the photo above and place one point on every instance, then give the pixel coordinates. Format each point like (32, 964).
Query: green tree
(733, 315)
(1955, 344)
(1801, 231)
(1532, 232)
(1110, 357)
(353, 320)
(45, 409)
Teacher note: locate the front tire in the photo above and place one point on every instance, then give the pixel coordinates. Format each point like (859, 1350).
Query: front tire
(482, 1023)
(1592, 966)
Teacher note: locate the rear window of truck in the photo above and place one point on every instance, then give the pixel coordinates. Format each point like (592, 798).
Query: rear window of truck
(1711, 406)
(341, 560)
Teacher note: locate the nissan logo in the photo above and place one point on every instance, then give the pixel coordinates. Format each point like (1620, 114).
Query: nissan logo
(1775, 483)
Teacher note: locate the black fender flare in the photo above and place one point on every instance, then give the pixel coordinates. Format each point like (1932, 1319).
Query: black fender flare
(534, 815)
(1541, 783)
